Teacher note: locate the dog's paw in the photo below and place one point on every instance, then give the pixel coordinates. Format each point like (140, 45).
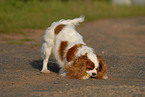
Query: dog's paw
(62, 74)
(85, 77)
(105, 77)
(45, 71)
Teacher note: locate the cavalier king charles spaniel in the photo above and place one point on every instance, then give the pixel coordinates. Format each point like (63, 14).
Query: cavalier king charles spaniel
(76, 60)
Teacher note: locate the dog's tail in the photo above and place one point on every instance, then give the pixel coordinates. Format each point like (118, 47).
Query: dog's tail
(77, 21)
(73, 22)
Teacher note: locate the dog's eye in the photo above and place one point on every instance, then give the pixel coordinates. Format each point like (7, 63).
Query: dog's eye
(89, 68)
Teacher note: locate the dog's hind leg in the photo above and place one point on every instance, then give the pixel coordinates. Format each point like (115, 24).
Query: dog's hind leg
(46, 49)
(44, 68)
(46, 52)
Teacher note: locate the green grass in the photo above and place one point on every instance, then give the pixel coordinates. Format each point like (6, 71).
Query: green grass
(19, 41)
(16, 15)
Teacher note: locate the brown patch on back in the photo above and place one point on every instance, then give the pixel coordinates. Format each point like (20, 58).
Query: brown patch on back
(102, 70)
(59, 28)
(77, 70)
(62, 47)
(70, 55)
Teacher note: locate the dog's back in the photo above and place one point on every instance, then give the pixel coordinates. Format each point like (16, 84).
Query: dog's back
(64, 40)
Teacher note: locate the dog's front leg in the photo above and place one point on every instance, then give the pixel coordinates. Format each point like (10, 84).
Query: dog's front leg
(62, 72)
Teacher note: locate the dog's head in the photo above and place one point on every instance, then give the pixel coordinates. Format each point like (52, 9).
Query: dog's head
(77, 69)
(82, 66)
(91, 64)
(102, 69)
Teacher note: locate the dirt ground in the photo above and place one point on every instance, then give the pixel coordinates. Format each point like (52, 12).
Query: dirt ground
(121, 42)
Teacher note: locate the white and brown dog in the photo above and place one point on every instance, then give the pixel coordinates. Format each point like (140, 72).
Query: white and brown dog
(75, 59)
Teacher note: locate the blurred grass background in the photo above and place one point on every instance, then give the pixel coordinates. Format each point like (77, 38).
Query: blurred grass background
(16, 15)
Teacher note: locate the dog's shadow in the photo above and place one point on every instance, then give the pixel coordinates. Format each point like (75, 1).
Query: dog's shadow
(52, 66)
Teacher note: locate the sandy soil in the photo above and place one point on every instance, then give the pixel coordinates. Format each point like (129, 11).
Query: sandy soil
(121, 42)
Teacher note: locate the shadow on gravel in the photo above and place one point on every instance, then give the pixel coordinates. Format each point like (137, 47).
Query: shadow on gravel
(37, 64)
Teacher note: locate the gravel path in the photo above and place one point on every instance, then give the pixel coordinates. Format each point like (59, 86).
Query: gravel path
(121, 42)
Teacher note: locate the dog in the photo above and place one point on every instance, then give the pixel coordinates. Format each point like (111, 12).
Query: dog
(75, 59)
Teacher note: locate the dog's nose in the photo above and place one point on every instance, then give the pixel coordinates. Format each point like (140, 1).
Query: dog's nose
(93, 74)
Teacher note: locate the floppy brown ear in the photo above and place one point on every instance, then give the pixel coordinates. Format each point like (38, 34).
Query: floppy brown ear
(102, 70)
(77, 69)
